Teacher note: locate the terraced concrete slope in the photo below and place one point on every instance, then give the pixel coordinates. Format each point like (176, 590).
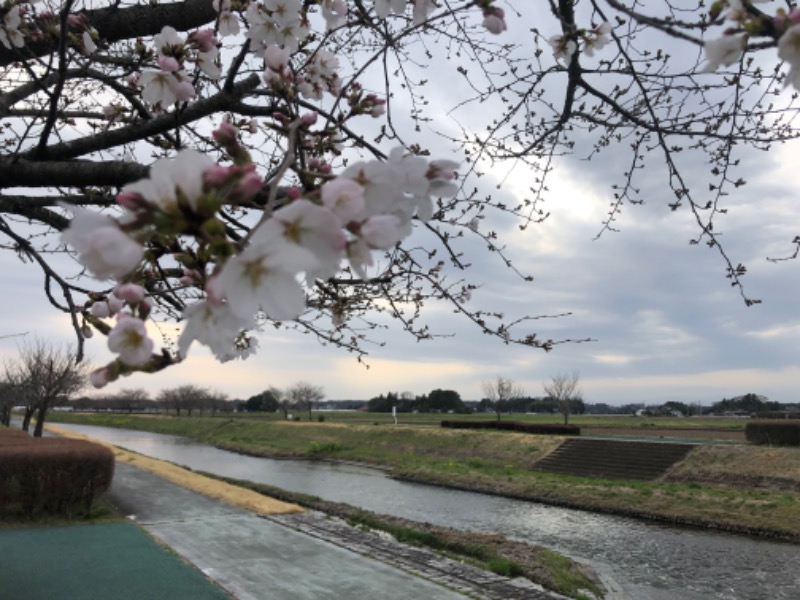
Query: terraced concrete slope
(613, 459)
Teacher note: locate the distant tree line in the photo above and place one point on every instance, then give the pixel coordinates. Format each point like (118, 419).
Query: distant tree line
(302, 397)
(181, 400)
(440, 401)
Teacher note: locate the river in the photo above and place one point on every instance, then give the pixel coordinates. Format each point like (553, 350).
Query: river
(637, 560)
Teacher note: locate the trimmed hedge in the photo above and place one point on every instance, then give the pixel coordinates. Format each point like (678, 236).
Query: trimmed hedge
(775, 433)
(52, 476)
(13, 437)
(534, 428)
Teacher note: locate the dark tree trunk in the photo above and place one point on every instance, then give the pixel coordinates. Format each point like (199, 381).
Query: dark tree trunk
(26, 420)
(41, 415)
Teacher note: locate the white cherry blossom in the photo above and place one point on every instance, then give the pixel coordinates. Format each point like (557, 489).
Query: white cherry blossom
(159, 88)
(228, 23)
(305, 226)
(423, 9)
(262, 277)
(598, 39)
(207, 61)
(102, 246)
(334, 12)
(724, 51)
(360, 256)
(88, 43)
(384, 7)
(563, 48)
(213, 325)
(129, 339)
(171, 178)
(384, 231)
(276, 58)
(10, 35)
(276, 22)
(166, 39)
(344, 197)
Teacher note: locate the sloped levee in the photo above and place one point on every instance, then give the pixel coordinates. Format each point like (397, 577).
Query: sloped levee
(612, 459)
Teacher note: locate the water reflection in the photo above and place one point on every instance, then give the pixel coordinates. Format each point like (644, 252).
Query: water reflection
(647, 561)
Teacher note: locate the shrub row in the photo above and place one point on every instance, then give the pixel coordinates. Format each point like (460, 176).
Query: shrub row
(776, 433)
(51, 476)
(536, 428)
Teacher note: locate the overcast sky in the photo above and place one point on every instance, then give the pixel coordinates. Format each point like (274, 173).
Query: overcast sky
(665, 322)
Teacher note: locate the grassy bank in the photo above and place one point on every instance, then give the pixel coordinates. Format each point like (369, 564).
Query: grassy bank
(737, 488)
(100, 513)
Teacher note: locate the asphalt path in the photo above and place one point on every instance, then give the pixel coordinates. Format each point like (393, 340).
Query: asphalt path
(307, 556)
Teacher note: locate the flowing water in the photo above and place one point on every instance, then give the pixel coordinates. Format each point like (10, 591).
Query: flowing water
(637, 560)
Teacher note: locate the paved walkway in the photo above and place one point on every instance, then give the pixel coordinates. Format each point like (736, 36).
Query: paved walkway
(297, 557)
(115, 561)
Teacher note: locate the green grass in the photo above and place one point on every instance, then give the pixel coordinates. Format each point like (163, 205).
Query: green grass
(101, 512)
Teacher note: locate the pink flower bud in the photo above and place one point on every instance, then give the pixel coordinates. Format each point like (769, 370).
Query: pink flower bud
(309, 118)
(130, 292)
(87, 331)
(249, 186)
(272, 78)
(216, 176)
(100, 310)
(225, 134)
(100, 377)
(131, 200)
(115, 304)
(168, 64)
(494, 24)
(204, 39)
(293, 193)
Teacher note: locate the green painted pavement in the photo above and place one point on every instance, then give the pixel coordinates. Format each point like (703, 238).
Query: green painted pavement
(91, 562)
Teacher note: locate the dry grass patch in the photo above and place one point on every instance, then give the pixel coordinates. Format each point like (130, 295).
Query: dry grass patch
(759, 466)
(212, 488)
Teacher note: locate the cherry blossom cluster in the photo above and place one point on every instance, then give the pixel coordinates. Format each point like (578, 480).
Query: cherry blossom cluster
(369, 207)
(565, 46)
(279, 22)
(171, 83)
(728, 49)
(285, 22)
(19, 22)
